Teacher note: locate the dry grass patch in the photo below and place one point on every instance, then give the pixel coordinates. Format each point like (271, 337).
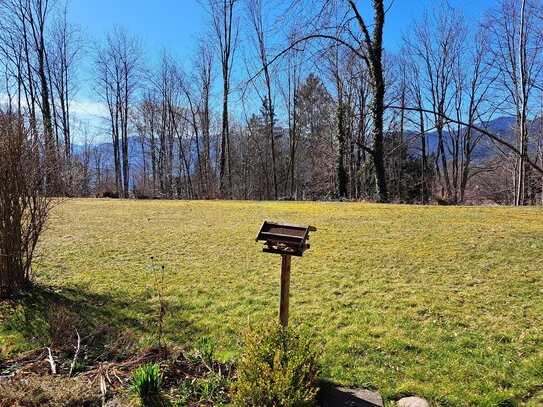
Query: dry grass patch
(49, 391)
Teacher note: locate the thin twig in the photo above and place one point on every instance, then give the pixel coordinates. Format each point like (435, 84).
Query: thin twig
(52, 361)
(76, 353)
(204, 363)
(103, 386)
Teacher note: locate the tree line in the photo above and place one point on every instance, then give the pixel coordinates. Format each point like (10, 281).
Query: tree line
(287, 100)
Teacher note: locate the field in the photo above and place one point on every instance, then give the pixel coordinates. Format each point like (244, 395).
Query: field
(444, 302)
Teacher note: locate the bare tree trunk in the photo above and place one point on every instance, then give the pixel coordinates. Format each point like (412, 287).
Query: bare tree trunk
(424, 154)
(520, 196)
(223, 22)
(255, 11)
(375, 65)
(38, 11)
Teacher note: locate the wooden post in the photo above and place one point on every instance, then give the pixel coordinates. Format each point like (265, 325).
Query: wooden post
(285, 289)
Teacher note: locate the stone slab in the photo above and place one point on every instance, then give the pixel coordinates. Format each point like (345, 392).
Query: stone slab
(347, 397)
(412, 402)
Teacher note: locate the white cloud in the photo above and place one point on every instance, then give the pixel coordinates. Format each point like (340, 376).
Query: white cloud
(87, 118)
(88, 108)
(78, 107)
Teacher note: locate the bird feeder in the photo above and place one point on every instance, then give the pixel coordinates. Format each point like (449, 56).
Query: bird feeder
(286, 240)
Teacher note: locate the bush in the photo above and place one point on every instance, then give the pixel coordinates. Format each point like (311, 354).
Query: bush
(107, 192)
(24, 208)
(147, 383)
(62, 323)
(279, 367)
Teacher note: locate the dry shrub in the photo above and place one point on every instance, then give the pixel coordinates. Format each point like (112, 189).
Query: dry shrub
(48, 391)
(24, 207)
(107, 192)
(120, 347)
(62, 323)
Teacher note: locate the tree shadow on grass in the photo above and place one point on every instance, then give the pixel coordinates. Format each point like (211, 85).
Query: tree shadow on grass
(54, 316)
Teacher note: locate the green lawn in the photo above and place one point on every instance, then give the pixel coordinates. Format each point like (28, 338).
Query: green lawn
(444, 302)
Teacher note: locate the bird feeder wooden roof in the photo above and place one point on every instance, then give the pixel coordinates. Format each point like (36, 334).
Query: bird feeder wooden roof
(283, 238)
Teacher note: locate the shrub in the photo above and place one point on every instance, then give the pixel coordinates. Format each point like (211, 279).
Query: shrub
(147, 382)
(107, 192)
(62, 324)
(279, 367)
(24, 208)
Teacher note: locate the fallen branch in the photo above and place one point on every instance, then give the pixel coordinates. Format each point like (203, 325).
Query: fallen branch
(52, 362)
(204, 362)
(103, 386)
(126, 366)
(76, 354)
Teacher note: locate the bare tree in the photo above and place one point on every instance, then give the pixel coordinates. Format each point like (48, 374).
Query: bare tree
(437, 44)
(146, 125)
(259, 26)
(197, 91)
(118, 66)
(37, 12)
(289, 89)
(205, 69)
(226, 31)
(66, 49)
(413, 75)
(24, 41)
(515, 29)
(366, 42)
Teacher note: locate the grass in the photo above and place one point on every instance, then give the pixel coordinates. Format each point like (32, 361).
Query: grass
(444, 302)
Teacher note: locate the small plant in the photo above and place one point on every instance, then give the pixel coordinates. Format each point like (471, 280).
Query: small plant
(147, 382)
(211, 389)
(186, 390)
(206, 350)
(208, 389)
(78, 366)
(279, 367)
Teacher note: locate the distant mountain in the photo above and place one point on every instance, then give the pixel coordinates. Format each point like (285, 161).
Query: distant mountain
(502, 127)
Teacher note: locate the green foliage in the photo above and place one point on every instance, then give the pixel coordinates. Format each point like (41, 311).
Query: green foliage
(79, 366)
(211, 389)
(185, 391)
(147, 383)
(279, 367)
(206, 349)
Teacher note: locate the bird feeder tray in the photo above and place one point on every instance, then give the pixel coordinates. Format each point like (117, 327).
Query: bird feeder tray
(281, 238)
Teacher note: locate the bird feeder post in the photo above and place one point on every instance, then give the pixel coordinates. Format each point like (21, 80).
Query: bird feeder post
(285, 289)
(286, 240)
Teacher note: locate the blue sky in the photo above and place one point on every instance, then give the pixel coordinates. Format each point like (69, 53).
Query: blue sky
(175, 24)
(170, 24)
